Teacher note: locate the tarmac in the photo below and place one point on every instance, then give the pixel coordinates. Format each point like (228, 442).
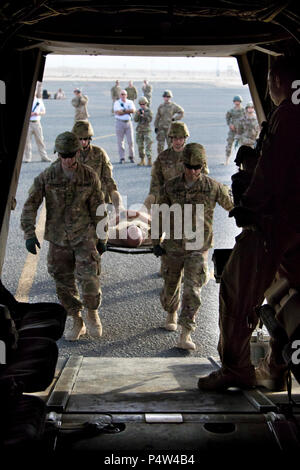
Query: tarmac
(131, 313)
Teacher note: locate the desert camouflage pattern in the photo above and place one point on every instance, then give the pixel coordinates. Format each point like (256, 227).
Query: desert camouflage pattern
(178, 259)
(167, 165)
(165, 113)
(147, 92)
(206, 191)
(143, 133)
(71, 204)
(195, 269)
(79, 262)
(233, 116)
(80, 105)
(97, 159)
(248, 130)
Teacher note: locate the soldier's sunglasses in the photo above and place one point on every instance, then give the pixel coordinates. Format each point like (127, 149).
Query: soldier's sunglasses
(193, 167)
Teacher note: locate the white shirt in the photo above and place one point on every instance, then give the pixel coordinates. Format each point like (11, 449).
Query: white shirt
(37, 107)
(119, 105)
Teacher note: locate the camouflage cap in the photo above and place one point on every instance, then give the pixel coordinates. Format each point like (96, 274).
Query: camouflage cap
(237, 98)
(83, 129)
(194, 155)
(249, 105)
(66, 143)
(143, 100)
(178, 129)
(167, 93)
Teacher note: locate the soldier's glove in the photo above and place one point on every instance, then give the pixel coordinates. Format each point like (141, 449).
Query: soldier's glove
(31, 244)
(156, 130)
(243, 216)
(158, 251)
(101, 247)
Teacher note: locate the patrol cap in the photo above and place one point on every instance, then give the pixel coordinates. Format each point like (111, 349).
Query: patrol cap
(178, 129)
(83, 129)
(143, 100)
(237, 98)
(167, 93)
(249, 105)
(194, 156)
(77, 90)
(67, 144)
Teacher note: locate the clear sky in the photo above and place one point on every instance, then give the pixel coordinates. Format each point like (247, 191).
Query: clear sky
(155, 63)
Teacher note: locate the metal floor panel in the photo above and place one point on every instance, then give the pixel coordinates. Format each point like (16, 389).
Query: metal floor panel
(145, 385)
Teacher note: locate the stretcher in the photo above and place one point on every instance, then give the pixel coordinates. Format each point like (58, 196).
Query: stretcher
(119, 223)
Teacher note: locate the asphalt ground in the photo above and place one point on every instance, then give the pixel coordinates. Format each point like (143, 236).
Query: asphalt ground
(131, 313)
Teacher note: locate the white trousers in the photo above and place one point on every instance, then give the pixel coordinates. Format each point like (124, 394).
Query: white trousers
(124, 128)
(35, 129)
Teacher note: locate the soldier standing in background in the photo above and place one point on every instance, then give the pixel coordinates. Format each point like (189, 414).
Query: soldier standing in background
(147, 91)
(187, 254)
(73, 193)
(143, 117)
(168, 163)
(166, 113)
(97, 159)
(248, 127)
(80, 104)
(233, 117)
(115, 94)
(132, 93)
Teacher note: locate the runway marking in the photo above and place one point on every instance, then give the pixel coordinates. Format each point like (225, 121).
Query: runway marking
(103, 136)
(31, 262)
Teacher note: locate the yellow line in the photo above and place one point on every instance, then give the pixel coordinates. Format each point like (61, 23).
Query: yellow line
(31, 262)
(103, 136)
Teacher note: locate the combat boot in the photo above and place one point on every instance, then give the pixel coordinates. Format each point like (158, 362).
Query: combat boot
(94, 323)
(222, 379)
(142, 162)
(185, 340)
(171, 322)
(274, 379)
(149, 161)
(77, 329)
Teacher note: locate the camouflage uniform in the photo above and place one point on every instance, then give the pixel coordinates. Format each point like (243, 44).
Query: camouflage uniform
(147, 92)
(166, 113)
(167, 165)
(248, 129)
(97, 159)
(178, 257)
(80, 105)
(131, 93)
(143, 131)
(233, 116)
(115, 95)
(71, 221)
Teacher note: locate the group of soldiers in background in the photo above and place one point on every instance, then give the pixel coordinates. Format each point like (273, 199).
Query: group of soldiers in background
(243, 126)
(167, 112)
